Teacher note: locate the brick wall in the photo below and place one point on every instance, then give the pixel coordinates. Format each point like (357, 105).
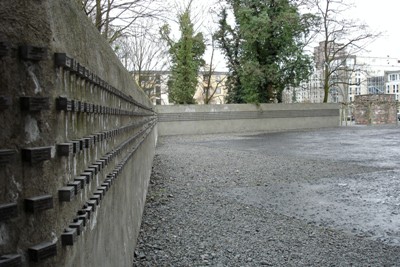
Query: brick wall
(375, 109)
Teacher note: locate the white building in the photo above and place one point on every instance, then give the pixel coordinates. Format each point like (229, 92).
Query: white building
(361, 75)
(392, 81)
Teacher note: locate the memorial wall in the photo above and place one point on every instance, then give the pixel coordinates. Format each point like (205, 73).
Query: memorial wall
(77, 141)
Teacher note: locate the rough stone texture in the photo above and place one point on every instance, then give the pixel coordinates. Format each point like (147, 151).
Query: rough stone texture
(325, 197)
(110, 236)
(375, 109)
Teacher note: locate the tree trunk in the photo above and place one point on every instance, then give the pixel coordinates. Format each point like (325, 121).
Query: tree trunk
(326, 83)
(98, 22)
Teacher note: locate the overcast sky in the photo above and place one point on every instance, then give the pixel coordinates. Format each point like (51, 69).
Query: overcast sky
(382, 15)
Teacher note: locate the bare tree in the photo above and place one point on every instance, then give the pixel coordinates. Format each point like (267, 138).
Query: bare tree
(211, 85)
(146, 56)
(342, 38)
(114, 17)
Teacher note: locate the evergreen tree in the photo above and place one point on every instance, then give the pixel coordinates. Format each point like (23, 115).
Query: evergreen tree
(264, 49)
(186, 56)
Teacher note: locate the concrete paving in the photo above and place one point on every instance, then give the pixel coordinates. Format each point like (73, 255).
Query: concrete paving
(363, 201)
(325, 197)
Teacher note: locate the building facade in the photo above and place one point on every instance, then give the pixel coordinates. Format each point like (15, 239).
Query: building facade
(392, 81)
(210, 90)
(353, 76)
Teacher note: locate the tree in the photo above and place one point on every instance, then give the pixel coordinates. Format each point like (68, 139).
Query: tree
(264, 49)
(229, 40)
(113, 18)
(145, 56)
(186, 57)
(341, 38)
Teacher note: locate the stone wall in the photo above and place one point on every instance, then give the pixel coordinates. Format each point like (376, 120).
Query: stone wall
(76, 144)
(208, 119)
(375, 109)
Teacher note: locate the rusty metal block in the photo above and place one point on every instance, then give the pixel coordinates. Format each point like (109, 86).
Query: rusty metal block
(81, 180)
(81, 106)
(103, 162)
(63, 60)
(98, 165)
(76, 185)
(36, 154)
(99, 193)
(75, 146)
(42, 251)
(74, 66)
(83, 216)
(88, 210)
(39, 203)
(78, 225)
(10, 260)
(85, 107)
(66, 194)
(69, 237)
(63, 103)
(106, 184)
(75, 107)
(33, 53)
(92, 169)
(81, 70)
(95, 138)
(88, 174)
(65, 149)
(93, 203)
(91, 77)
(103, 188)
(88, 74)
(34, 103)
(8, 211)
(88, 142)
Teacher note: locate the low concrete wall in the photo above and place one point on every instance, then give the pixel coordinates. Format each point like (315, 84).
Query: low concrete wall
(76, 145)
(207, 119)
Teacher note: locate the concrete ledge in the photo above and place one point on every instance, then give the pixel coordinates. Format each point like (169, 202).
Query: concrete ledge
(207, 119)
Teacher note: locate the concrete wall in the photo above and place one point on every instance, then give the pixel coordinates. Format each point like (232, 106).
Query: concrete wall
(206, 119)
(76, 144)
(375, 109)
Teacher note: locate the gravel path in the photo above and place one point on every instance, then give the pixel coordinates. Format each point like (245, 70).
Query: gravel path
(274, 199)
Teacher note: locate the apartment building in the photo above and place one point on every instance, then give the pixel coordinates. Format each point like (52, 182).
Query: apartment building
(154, 84)
(392, 81)
(354, 75)
(210, 90)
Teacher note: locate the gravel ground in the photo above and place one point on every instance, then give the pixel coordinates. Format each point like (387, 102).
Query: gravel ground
(308, 198)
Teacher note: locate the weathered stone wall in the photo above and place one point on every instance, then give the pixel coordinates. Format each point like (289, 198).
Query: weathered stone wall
(375, 109)
(208, 119)
(76, 144)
